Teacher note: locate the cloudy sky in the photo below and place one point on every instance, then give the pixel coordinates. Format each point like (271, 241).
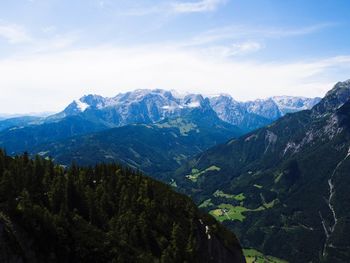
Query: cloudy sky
(53, 51)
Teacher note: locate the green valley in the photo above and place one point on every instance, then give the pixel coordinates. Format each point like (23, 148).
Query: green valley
(254, 256)
(284, 184)
(195, 173)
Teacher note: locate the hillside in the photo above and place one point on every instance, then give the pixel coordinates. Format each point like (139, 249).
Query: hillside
(18, 122)
(156, 149)
(104, 213)
(285, 182)
(20, 139)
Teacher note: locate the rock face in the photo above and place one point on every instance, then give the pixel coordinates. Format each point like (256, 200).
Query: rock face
(237, 113)
(251, 115)
(289, 180)
(139, 106)
(334, 98)
(288, 104)
(150, 106)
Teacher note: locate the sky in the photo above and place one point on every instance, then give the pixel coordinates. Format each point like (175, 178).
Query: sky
(54, 51)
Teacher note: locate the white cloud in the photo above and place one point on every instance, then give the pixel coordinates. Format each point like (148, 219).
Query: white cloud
(16, 34)
(144, 11)
(55, 42)
(13, 33)
(246, 47)
(236, 49)
(196, 7)
(244, 31)
(50, 81)
(175, 8)
(48, 29)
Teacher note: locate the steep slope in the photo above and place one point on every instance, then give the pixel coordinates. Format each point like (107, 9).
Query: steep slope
(156, 149)
(285, 182)
(237, 113)
(101, 214)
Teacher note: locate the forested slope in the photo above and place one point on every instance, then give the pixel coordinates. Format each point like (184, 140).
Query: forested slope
(105, 213)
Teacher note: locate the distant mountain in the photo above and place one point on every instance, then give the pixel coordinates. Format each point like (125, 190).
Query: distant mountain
(288, 104)
(102, 214)
(157, 149)
(181, 127)
(334, 98)
(150, 106)
(139, 106)
(283, 188)
(18, 122)
(7, 116)
(251, 115)
(237, 113)
(23, 138)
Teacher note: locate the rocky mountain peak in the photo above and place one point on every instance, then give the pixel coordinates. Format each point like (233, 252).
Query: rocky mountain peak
(194, 101)
(266, 108)
(93, 100)
(334, 98)
(153, 105)
(289, 104)
(223, 99)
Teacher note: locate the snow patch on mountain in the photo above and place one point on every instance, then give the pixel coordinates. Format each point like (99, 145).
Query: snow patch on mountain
(153, 105)
(82, 106)
(289, 104)
(194, 104)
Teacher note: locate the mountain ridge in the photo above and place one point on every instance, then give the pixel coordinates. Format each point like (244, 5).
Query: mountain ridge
(155, 149)
(154, 105)
(271, 184)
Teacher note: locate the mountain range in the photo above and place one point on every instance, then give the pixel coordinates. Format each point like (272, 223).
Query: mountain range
(273, 171)
(251, 115)
(286, 183)
(152, 130)
(151, 106)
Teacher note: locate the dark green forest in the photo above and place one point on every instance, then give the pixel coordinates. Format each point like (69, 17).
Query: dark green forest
(105, 213)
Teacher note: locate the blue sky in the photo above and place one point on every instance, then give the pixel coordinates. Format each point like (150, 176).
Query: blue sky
(53, 51)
